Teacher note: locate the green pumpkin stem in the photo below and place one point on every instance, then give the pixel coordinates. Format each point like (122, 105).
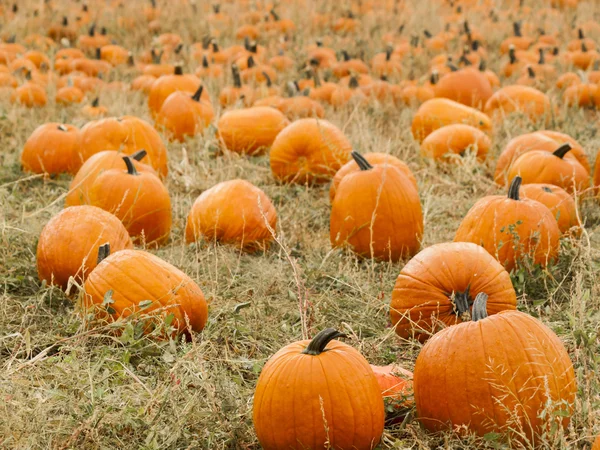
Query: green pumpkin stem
(130, 167)
(563, 150)
(198, 94)
(320, 341)
(479, 307)
(513, 190)
(103, 252)
(361, 161)
(139, 155)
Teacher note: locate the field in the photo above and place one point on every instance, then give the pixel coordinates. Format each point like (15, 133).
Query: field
(67, 383)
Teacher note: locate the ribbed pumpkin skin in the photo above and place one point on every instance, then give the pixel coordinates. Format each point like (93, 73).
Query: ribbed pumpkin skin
(421, 296)
(68, 244)
(251, 130)
(439, 112)
(540, 166)
(52, 148)
(493, 374)
(110, 159)
(135, 276)
(377, 213)
(309, 151)
(455, 139)
(230, 213)
(492, 223)
(287, 403)
(467, 86)
(128, 134)
(558, 201)
(373, 158)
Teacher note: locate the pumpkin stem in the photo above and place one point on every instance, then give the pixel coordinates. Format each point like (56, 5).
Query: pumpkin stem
(584, 48)
(345, 55)
(479, 307)
(316, 77)
(530, 72)
(139, 155)
(580, 34)
(62, 128)
(274, 15)
(482, 65)
(513, 190)
(542, 59)
(475, 45)
(251, 63)
(205, 62)
(435, 77)
(512, 55)
(353, 83)
(178, 70)
(130, 61)
(388, 52)
(198, 94)
(178, 49)
(320, 341)
(103, 252)
(547, 189)
(451, 66)
(427, 34)
(268, 79)
(95, 102)
(517, 29)
(235, 71)
(216, 8)
(92, 31)
(361, 161)
(130, 167)
(462, 303)
(65, 21)
(563, 150)
(98, 53)
(215, 47)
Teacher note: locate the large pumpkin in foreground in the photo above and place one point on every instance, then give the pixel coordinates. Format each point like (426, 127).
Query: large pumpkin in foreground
(318, 394)
(437, 287)
(136, 282)
(506, 373)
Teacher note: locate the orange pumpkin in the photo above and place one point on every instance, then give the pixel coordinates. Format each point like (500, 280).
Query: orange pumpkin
(396, 385)
(69, 242)
(559, 202)
(233, 212)
(523, 99)
(456, 139)
(52, 148)
(30, 95)
(467, 86)
(166, 85)
(309, 151)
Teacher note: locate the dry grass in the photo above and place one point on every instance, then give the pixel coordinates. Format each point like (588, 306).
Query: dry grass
(63, 385)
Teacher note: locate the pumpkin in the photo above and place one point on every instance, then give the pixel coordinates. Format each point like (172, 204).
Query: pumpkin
(395, 384)
(134, 282)
(139, 199)
(300, 107)
(250, 130)
(128, 134)
(52, 148)
(206, 70)
(309, 151)
(581, 95)
(539, 140)
(184, 115)
(596, 444)
(349, 66)
(99, 162)
(523, 99)
(317, 394)
(558, 201)
(376, 212)
(94, 110)
(557, 168)
(373, 159)
(167, 84)
(516, 368)
(68, 95)
(68, 244)
(455, 139)
(436, 288)
(30, 95)
(115, 55)
(467, 86)
(438, 112)
(233, 212)
(143, 83)
(386, 64)
(511, 228)
(230, 95)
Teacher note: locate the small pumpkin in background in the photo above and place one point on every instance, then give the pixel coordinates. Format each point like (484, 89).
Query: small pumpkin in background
(376, 212)
(250, 130)
(128, 134)
(233, 212)
(327, 379)
(138, 199)
(138, 283)
(52, 148)
(94, 110)
(183, 115)
(68, 95)
(523, 99)
(557, 168)
(69, 242)
(439, 112)
(309, 151)
(231, 95)
(167, 84)
(437, 287)
(456, 139)
(511, 228)
(495, 400)
(468, 86)
(99, 162)
(581, 95)
(30, 95)
(373, 159)
(559, 202)
(143, 83)
(396, 386)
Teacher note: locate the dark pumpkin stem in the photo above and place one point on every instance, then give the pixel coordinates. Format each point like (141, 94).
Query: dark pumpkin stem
(316, 77)
(198, 94)
(530, 72)
(584, 48)
(388, 53)
(178, 49)
(451, 66)
(345, 55)
(139, 155)
(103, 252)
(98, 53)
(320, 341)
(216, 8)
(205, 62)
(435, 77)
(580, 34)
(513, 190)
(96, 102)
(62, 128)
(512, 55)
(462, 303)
(479, 307)
(268, 79)
(542, 59)
(130, 60)
(517, 29)
(215, 47)
(427, 34)
(475, 45)
(482, 65)
(235, 71)
(178, 70)
(130, 167)
(547, 189)
(65, 21)
(361, 161)
(251, 62)
(353, 83)
(563, 150)
(92, 31)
